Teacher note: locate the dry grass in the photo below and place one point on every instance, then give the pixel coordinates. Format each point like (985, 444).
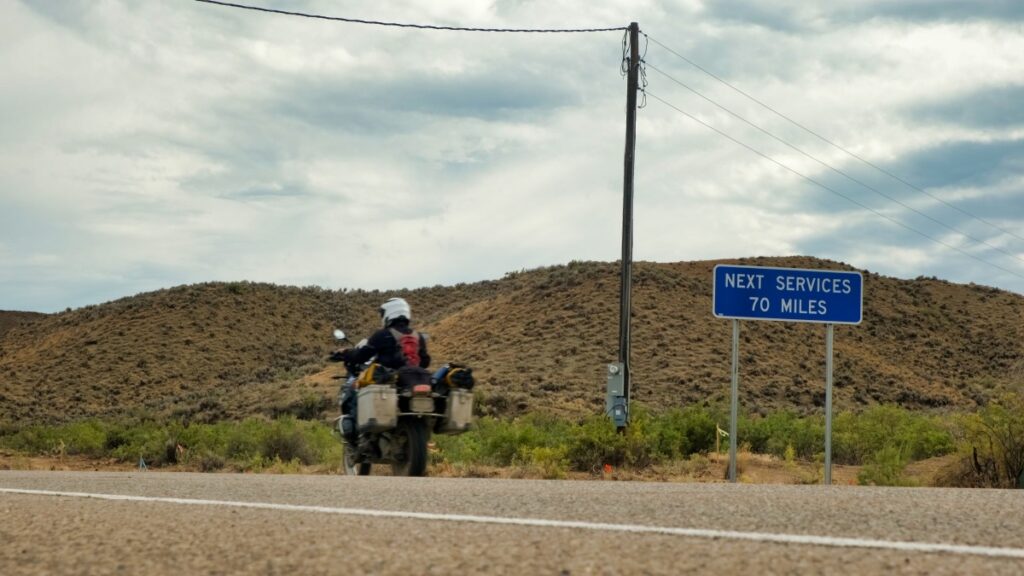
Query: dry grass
(539, 341)
(751, 469)
(756, 469)
(10, 319)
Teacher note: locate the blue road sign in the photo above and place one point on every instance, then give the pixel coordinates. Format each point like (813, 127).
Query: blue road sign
(788, 294)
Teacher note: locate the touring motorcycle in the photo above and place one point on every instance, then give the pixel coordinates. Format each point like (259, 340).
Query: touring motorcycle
(387, 416)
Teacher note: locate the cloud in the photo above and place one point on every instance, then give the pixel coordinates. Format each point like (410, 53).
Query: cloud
(993, 107)
(935, 10)
(781, 15)
(491, 96)
(963, 163)
(796, 16)
(154, 144)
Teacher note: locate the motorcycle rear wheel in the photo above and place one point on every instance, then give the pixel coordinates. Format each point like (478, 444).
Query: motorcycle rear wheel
(351, 467)
(412, 435)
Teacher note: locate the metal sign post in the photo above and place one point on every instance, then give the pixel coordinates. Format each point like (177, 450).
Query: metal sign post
(790, 295)
(734, 396)
(830, 330)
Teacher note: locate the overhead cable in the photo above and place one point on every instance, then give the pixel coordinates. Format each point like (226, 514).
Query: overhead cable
(641, 70)
(833, 190)
(834, 144)
(407, 25)
(833, 168)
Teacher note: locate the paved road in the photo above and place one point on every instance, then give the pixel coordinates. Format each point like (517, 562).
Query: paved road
(335, 525)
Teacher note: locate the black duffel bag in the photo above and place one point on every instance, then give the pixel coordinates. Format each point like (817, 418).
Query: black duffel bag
(409, 376)
(459, 376)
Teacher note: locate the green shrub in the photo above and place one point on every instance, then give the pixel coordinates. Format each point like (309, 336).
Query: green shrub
(595, 443)
(29, 440)
(501, 440)
(205, 438)
(147, 440)
(210, 462)
(287, 440)
(498, 442)
(546, 462)
(885, 468)
(669, 437)
(993, 440)
(884, 438)
(249, 444)
(325, 445)
(679, 433)
(858, 437)
(774, 433)
(244, 440)
(279, 466)
(88, 437)
(462, 448)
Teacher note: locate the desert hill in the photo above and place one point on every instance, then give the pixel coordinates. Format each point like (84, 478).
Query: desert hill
(539, 340)
(9, 319)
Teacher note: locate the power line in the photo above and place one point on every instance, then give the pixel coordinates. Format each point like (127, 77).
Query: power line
(833, 168)
(835, 145)
(406, 25)
(830, 189)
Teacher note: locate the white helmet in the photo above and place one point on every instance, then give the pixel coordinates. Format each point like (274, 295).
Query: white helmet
(394, 309)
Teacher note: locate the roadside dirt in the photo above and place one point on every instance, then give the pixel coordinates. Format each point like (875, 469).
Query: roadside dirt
(752, 469)
(14, 461)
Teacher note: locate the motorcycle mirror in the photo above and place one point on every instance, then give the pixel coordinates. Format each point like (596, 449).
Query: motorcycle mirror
(339, 334)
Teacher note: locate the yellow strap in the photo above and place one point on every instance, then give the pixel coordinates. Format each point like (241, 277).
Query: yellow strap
(366, 377)
(448, 377)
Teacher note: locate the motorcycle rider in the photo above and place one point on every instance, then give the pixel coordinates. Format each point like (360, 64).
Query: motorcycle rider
(395, 345)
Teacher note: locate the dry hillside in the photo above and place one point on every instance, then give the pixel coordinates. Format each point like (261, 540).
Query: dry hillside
(9, 319)
(538, 339)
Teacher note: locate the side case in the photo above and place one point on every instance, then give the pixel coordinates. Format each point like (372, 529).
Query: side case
(459, 412)
(378, 408)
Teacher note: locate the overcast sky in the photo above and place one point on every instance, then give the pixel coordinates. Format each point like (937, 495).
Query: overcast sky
(145, 145)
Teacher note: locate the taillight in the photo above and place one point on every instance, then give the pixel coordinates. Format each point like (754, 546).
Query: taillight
(421, 390)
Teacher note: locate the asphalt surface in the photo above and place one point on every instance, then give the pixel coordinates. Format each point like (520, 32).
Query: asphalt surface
(62, 534)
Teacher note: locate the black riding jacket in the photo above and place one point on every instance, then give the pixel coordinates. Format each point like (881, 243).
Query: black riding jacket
(383, 344)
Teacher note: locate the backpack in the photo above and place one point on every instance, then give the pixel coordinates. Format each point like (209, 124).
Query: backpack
(409, 344)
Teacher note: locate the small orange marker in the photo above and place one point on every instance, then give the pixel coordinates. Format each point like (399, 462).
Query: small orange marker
(607, 468)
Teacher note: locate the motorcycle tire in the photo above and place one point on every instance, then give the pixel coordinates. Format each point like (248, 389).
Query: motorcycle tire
(414, 436)
(351, 467)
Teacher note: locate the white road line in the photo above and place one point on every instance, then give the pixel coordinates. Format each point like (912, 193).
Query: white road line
(832, 541)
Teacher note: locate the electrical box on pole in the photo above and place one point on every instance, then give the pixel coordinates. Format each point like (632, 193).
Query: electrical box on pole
(615, 401)
(619, 379)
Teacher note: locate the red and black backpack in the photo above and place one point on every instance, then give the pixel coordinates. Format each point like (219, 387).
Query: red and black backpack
(409, 344)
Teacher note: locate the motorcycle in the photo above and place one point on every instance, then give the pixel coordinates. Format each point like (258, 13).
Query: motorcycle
(388, 416)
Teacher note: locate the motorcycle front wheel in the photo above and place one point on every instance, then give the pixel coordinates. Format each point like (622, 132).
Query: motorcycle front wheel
(412, 437)
(351, 467)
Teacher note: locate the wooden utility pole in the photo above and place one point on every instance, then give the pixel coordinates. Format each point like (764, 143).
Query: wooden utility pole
(632, 78)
